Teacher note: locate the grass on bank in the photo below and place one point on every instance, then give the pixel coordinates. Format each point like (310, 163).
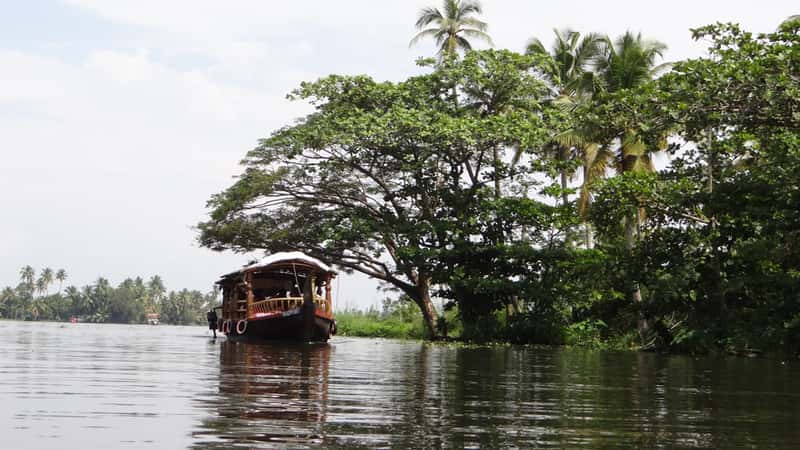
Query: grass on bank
(401, 319)
(397, 319)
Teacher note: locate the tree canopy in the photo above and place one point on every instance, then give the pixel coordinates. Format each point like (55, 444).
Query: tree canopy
(380, 178)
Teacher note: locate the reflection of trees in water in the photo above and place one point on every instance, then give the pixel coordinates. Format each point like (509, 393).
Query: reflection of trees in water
(387, 394)
(271, 392)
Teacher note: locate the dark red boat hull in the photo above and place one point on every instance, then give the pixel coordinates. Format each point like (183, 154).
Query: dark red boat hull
(293, 325)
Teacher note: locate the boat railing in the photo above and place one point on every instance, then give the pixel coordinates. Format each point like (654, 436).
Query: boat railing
(280, 304)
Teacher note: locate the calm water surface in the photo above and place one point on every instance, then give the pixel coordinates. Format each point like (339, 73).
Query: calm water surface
(65, 386)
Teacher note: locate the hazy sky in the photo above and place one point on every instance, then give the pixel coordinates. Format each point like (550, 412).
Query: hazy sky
(119, 118)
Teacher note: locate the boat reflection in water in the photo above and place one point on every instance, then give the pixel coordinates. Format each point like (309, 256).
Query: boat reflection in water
(268, 393)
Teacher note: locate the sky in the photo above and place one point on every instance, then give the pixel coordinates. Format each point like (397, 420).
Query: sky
(119, 119)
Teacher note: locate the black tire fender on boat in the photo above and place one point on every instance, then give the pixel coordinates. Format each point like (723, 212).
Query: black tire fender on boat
(227, 326)
(332, 329)
(241, 324)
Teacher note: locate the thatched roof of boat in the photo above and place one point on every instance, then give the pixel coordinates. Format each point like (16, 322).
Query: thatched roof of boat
(283, 259)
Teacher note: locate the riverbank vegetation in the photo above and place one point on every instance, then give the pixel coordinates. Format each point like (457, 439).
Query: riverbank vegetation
(399, 319)
(584, 193)
(100, 302)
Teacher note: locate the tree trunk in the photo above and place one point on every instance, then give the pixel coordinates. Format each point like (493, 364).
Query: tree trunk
(496, 156)
(588, 232)
(588, 235)
(643, 324)
(429, 314)
(630, 238)
(564, 194)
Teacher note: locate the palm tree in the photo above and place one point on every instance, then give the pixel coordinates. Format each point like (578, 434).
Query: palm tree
(45, 280)
(566, 68)
(27, 274)
(6, 298)
(452, 28)
(74, 295)
(629, 61)
(567, 65)
(791, 18)
(156, 288)
(626, 63)
(41, 285)
(61, 276)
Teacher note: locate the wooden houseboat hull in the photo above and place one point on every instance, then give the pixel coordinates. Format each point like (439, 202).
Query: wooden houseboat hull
(285, 296)
(289, 325)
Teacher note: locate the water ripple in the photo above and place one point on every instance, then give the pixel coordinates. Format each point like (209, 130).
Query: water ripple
(124, 386)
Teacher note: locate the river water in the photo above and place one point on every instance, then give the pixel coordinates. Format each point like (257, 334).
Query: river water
(70, 386)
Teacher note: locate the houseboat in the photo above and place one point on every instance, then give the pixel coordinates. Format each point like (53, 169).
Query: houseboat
(284, 296)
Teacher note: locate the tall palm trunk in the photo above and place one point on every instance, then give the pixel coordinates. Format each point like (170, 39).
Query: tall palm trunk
(584, 201)
(588, 235)
(631, 223)
(635, 293)
(497, 162)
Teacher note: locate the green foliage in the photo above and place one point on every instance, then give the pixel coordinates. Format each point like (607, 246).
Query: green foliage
(456, 184)
(717, 257)
(399, 319)
(384, 176)
(586, 333)
(101, 302)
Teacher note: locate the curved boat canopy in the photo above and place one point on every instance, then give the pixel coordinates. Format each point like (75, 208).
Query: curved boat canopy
(285, 259)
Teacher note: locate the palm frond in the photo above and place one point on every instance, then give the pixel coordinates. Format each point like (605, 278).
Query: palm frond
(474, 23)
(661, 68)
(570, 138)
(467, 7)
(478, 35)
(462, 43)
(601, 158)
(535, 47)
(427, 16)
(430, 32)
(588, 48)
(595, 165)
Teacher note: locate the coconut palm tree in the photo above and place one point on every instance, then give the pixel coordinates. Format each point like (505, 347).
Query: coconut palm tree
(451, 27)
(566, 66)
(40, 286)
(61, 276)
(45, 280)
(629, 61)
(791, 18)
(7, 297)
(74, 296)
(27, 274)
(156, 288)
(626, 63)
(567, 69)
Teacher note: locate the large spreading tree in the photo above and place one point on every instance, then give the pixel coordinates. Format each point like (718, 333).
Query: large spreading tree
(379, 177)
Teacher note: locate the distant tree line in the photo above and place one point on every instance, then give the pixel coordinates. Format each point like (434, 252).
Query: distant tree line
(100, 302)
